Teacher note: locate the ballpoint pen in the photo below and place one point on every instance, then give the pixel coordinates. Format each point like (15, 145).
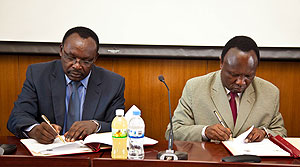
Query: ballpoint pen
(48, 122)
(219, 117)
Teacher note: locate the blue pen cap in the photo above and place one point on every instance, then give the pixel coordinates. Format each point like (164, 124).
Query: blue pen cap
(137, 112)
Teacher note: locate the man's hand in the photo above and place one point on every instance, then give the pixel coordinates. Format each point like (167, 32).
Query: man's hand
(79, 130)
(217, 132)
(255, 135)
(43, 133)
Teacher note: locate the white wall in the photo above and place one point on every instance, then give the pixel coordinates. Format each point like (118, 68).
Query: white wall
(272, 23)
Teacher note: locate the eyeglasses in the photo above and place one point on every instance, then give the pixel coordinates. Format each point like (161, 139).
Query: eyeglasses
(69, 59)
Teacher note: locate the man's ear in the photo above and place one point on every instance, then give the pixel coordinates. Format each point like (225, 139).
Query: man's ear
(96, 57)
(60, 50)
(221, 63)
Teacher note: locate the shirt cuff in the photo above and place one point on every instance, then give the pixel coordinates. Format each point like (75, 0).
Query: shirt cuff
(266, 130)
(204, 138)
(28, 129)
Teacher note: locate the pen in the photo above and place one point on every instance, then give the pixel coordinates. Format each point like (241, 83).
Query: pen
(219, 117)
(48, 122)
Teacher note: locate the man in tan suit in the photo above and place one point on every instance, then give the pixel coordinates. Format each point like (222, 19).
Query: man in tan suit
(241, 98)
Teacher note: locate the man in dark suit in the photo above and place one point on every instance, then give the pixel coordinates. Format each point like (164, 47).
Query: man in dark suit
(78, 97)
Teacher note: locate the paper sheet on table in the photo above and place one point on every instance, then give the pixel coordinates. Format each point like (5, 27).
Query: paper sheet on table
(56, 148)
(295, 141)
(129, 112)
(241, 138)
(264, 148)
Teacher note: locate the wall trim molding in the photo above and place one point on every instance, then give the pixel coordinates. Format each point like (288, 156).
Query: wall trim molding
(150, 51)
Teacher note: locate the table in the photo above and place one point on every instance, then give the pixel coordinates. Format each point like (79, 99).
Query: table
(205, 154)
(200, 154)
(22, 157)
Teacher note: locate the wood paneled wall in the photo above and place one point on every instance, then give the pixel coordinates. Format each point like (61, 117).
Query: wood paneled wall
(145, 90)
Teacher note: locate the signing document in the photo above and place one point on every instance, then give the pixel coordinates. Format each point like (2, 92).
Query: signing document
(92, 143)
(237, 146)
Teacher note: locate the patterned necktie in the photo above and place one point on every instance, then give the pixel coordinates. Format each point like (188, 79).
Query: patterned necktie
(232, 103)
(74, 105)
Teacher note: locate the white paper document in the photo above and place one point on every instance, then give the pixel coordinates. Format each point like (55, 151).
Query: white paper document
(263, 148)
(56, 148)
(60, 148)
(129, 113)
(237, 146)
(241, 138)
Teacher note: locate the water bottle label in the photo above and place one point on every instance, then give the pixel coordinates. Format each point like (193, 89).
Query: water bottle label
(119, 133)
(135, 133)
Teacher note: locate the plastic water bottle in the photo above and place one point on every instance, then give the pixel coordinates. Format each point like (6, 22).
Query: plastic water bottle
(119, 136)
(136, 131)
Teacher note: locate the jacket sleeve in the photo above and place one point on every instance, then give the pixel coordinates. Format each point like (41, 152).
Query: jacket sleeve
(117, 103)
(25, 108)
(184, 127)
(276, 126)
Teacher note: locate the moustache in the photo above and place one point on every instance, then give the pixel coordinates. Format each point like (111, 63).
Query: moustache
(74, 71)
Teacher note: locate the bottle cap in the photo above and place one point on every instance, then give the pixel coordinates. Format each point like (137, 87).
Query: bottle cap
(120, 112)
(137, 112)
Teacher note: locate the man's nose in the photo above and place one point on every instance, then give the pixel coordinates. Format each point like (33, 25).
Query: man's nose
(241, 80)
(76, 64)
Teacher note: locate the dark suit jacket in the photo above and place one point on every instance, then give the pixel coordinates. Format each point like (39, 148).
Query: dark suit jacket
(44, 92)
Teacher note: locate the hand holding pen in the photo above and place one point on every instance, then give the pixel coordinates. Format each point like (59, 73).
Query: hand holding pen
(48, 122)
(219, 131)
(220, 119)
(43, 133)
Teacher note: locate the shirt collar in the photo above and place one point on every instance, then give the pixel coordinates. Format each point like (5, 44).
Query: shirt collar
(84, 82)
(228, 91)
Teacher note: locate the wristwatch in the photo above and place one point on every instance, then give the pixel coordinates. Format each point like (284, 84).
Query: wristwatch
(98, 125)
(265, 129)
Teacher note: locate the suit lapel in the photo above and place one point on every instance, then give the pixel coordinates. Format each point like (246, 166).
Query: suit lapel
(221, 102)
(93, 95)
(246, 104)
(58, 90)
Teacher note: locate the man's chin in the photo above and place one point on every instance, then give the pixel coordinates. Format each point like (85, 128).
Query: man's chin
(237, 90)
(75, 77)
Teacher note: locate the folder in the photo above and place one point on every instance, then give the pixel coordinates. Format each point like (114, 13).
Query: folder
(265, 148)
(60, 148)
(268, 147)
(271, 147)
(285, 145)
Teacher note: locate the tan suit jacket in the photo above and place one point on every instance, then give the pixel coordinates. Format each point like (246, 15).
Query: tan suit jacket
(259, 106)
